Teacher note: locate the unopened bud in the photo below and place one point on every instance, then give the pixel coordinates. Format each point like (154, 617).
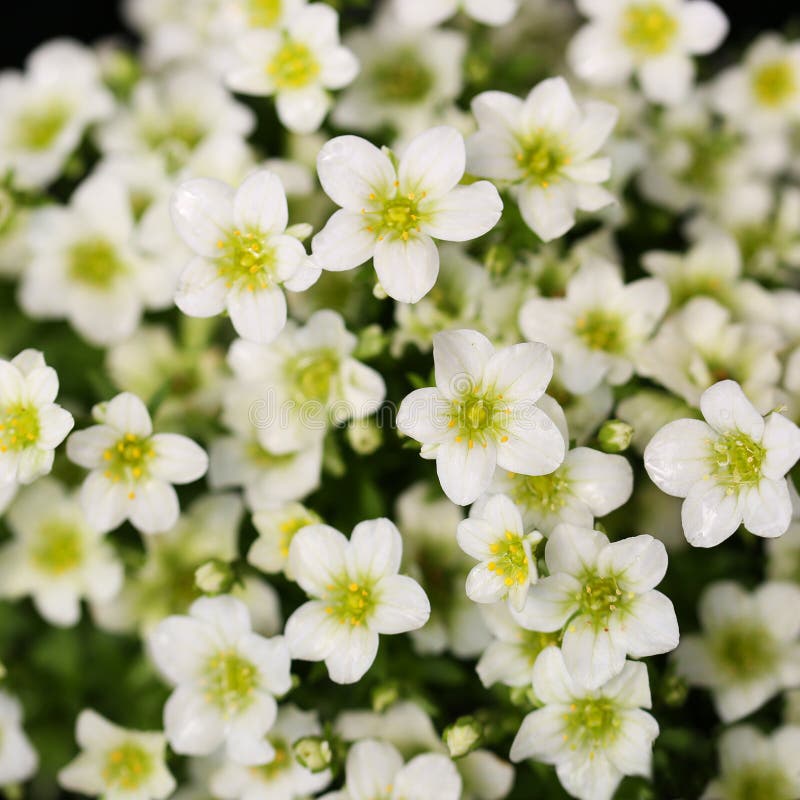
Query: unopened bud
(615, 436)
(383, 697)
(364, 436)
(214, 577)
(674, 690)
(314, 753)
(371, 342)
(463, 736)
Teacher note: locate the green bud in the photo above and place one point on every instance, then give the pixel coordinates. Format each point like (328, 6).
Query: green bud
(215, 577)
(371, 342)
(314, 753)
(383, 697)
(615, 436)
(463, 736)
(674, 690)
(364, 436)
(498, 259)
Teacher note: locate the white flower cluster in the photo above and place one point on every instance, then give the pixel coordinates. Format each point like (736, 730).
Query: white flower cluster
(580, 301)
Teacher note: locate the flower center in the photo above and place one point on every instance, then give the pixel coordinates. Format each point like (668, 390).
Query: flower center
(402, 79)
(58, 548)
(245, 261)
(281, 762)
(478, 417)
(230, 681)
(19, 427)
(764, 781)
(648, 29)
(127, 766)
(591, 723)
(264, 13)
(95, 263)
(289, 527)
(398, 216)
(774, 83)
(736, 460)
(541, 493)
(601, 597)
(541, 157)
(37, 129)
(601, 330)
(745, 651)
(313, 374)
(127, 459)
(350, 603)
(510, 560)
(293, 66)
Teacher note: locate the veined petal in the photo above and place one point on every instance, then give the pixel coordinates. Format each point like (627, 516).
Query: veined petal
(727, 409)
(311, 633)
(601, 480)
(201, 289)
(424, 415)
(128, 414)
(639, 563)
(465, 472)
(464, 213)
(371, 767)
(678, 456)
(484, 585)
(434, 162)
(104, 503)
(460, 359)
(177, 458)
(193, 726)
(631, 751)
(154, 507)
(407, 270)
(551, 680)
(709, 514)
(533, 444)
(551, 106)
(374, 550)
(430, 776)
(202, 213)
(85, 448)
(520, 372)
(402, 605)
(573, 550)
(317, 558)
(549, 212)
(550, 603)
(767, 508)
(353, 655)
(541, 736)
(302, 111)
(260, 203)
(781, 440)
(649, 626)
(592, 655)
(259, 315)
(344, 242)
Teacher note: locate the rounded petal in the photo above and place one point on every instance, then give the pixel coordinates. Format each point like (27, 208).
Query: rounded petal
(402, 605)
(434, 162)
(104, 503)
(177, 459)
(407, 270)
(344, 242)
(727, 409)
(710, 515)
(460, 359)
(193, 726)
(782, 442)
(311, 633)
(202, 213)
(550, 603)
(650, 626)
(573, 550)
(638, 563)
(678, 456)
(258, 316)
(154, 508)
(317, 558)
(703, 26)
(767, 508)
(465, 213)
(520, 372)
(534, 445)
(353, 655)
(601, 480)
(465, 472)
(260, 203)
(593, 655)
(201, 290)
(302, 111)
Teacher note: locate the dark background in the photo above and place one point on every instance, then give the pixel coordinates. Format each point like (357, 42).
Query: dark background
(34, 21)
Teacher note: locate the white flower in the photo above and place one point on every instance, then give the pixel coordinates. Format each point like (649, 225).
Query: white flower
(752, 764)
(392, 211)
(509, 659)
(243, 256)
(298, 65)
(408, 77)
(428, 13)
(164, 117)
(762, 93)
(731, 468)
(117, 763)
(225, 676)
(86, 267)
(282, 778)
(594, 737)
(132, 469)
(18, 759)
(357, 594)
(55, 556)
(375, 771)
(604, 596)
(276, 528)
(586, 485)
(32, 425)
(45, 111)
(653, 38)
(546, 147)
(749, 648)
(495, 536)
(483, 414)
(598, 327)
(293, 389)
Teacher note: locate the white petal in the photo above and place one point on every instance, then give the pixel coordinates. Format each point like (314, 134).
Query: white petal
(424, 415)
(632, 750)
(703, 26)
(304, 110)
(541, 736)
(667, 79)
(460, 358)
(550, 106)
(430, 776)
(465, 472)
(727, 409)
(311, 633)
(155, 507)
(551, 680)
(782, 442)
(592, 655)
(593, 130)
(257, 316)
(339, 67)
(710, 515)
(193, 726)
(177, 458)
(520, 372)
(465, 213)
(407, 270)
(484, 585)
(767, 508)
(317, 558)
(260, 203)
(350, 169)
(638, 563)
(402, 605)
(374, 550)
(86, 448)
(534, 445)
(597, 58)
(550, 603)
(128, 414)
(434, 162)
(202, 213)
(104, 503)
(650, 627)
(497, 13)
(178, 645)
(601, 480)
(548, 212)
(353, 656)
(344, 242)
(54, 425)
(573, 550)
(201, 290)
(679, 456)
(371, 767)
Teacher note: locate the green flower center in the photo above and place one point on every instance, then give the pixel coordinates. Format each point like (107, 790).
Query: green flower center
(541, 493)
(648, 29)
(281, 762)
(265, 13)
(350, 603)
(759, 782)
(127, 766)
(230, 681)
(542, 157)
(479, 416)
(533, 642)
(266, 460)
(509, 560)
(591, 723)
(601, 330)
(127, 459)
(95, 263)
(736, 460)
(313, 375)
(58, 548)
(402, 79)
(774, 83)
(293, 66)
(398, 216)
(600, 597)
(37, 129)
(289, 527)
(19, 427)
(745, 651)
(245, 261)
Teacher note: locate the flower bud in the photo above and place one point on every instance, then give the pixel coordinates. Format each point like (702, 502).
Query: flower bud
(615, 436)
(463, 736)
(364, 436)
(314, 753)
(214, 577)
